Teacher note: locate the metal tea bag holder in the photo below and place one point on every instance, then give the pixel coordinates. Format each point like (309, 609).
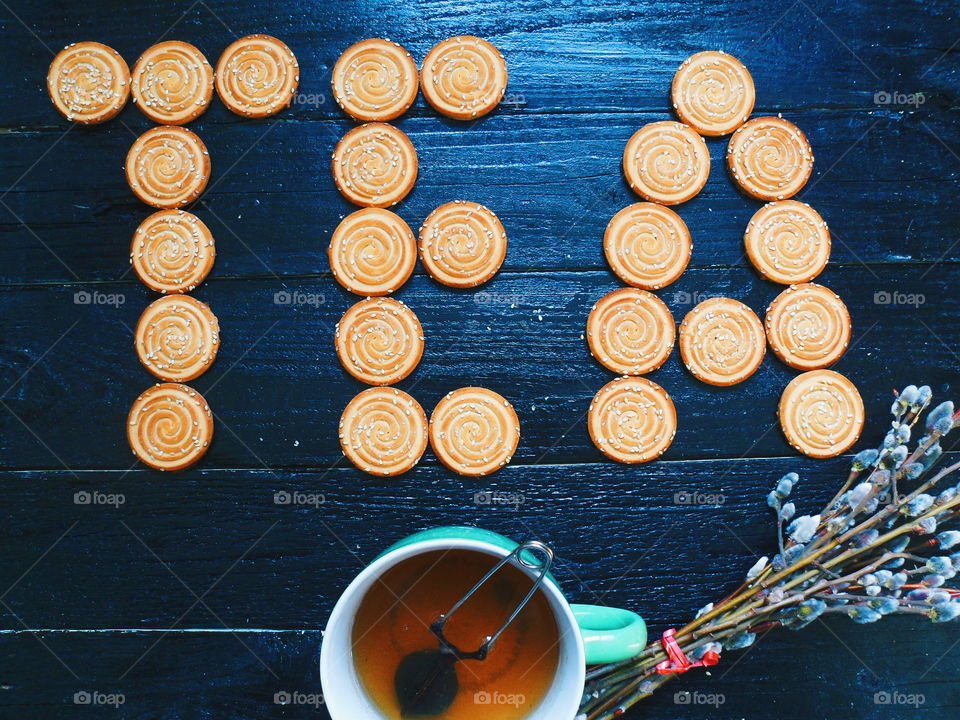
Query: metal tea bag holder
(532, 546)
(426, 681)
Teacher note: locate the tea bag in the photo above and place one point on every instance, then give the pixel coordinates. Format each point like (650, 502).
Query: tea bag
(426, 683)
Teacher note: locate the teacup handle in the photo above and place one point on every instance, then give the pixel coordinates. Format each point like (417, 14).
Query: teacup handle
(609, 634)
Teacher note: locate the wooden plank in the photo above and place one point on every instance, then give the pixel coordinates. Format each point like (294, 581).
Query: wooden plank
(657, 557)
(278, 390)
(606, 56)
(555, 181)
(207, 676)
(126, 564)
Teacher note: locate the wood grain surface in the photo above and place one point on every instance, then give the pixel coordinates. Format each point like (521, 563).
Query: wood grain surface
(199, 595)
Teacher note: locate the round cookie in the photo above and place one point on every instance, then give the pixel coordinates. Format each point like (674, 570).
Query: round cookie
(722, 341)
(474, 431)
(170, 426)
(713, 92)
(168, 167)
(88, 82)
(666, 162)
(808, 326)
(647, 245)
(375, 80)
(372, 252)
(787, 242)
(177, 338)
(375, 165)
(632, 420)
(172, 83)
(464, 77)
(379, 341)
(383, 431)
(770, 158)
(630, 331)
(462, 244)
(172, 251)
(257, 76)
(821, 413)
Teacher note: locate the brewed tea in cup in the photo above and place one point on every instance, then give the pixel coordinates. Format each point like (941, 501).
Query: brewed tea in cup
(394, 618)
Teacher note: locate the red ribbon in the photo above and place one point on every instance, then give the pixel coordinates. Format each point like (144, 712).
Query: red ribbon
(678, 662)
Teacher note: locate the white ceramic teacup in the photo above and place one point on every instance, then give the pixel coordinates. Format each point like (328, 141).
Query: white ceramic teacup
(588, 634)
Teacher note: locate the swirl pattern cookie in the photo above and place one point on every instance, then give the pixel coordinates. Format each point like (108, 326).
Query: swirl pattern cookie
(379, 341)
(375, 80)
(808, 326)
(168, 167)
(170, 427)
(630, 331)
(375, 165)
(474, 431)
(770, 158)
(88, 82)
(172, 251)
(647, 245)
(787, 242)
(464, 77)
(383, 431)
(172, 83)
(722, 341)
(713, 92)
(372, 252)
(821, 413)
(632, 420)
(177, 338)
(257, 76)
(462, 244)
(666, 162)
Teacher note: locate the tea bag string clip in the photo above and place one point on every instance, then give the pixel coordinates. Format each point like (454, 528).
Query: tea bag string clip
(528, 561)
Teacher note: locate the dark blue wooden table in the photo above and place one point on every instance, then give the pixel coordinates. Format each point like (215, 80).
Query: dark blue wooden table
(198, 596)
